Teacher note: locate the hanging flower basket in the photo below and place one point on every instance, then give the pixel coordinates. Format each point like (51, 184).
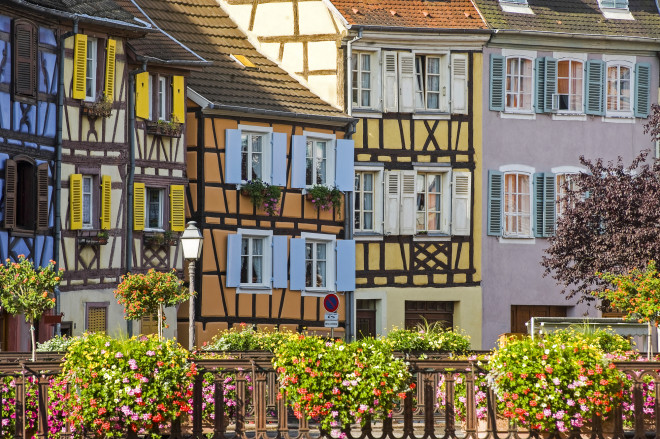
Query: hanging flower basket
(162, 128)
(101, 108)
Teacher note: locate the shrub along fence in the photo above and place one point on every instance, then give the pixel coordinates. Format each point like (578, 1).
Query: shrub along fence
(241, 398)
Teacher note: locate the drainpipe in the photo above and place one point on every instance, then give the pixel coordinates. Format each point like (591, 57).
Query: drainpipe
(349, 71)
(348, 234)
(131, 175)
(58, 164)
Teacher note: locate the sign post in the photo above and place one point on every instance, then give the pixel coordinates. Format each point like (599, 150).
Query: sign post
(331, 304)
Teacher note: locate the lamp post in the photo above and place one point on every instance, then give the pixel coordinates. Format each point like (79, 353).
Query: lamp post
(191, 243)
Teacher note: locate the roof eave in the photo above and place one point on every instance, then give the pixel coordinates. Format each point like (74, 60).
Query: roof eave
(218, 108)
(631, 38)
(421, 29)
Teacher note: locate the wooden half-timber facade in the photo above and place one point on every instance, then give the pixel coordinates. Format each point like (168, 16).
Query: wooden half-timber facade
(414, 83)
(247, 119)
(28, 97)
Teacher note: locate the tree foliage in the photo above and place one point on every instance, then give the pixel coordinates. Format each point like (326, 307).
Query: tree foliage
(611, 223)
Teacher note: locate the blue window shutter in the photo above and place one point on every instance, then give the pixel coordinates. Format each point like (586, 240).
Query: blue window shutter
(233, 156)
(595, 84)
(550, 208)
(280, 260)
(344, 168)
(539, 82)
(497, 76)
(346, 265)
(297, 269)
(233, 260)
(642, 89)
(279, 159)
(298, 162)
(539, 200)
(495, 191)
(550, 83)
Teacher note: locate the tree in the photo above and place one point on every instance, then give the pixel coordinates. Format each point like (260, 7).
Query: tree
(27, 290)
(611, 223)
(146, 294)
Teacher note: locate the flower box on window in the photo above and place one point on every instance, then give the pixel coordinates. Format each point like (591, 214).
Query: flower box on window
(159, 239)
(101, 108)
(162, 128)
(93, 237)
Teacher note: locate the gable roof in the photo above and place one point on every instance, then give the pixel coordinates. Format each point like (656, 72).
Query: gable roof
(207, 30)
(421, 14)
(574, 17)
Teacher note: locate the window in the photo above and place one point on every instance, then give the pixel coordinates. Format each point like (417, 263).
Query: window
(96, 316)
(253, 152)
(316, 264)
(87, 202)
(256, 261)
(252, 156)
(518, 84)
(362, 81)
(319, 158)
(427, 82)
(25, 58)
(252, 261)
(162, 99)
(90, 208)
(563, 181)
(26, 194)
(91, 62)
(569, 86)
(517, 205)
(364, 201)
(154, 210)
(317, 162)
(618, 88)
(430, 211)
(149, 207)
(614, 4)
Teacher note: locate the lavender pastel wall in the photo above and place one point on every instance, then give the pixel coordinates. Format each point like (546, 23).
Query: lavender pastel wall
(512, 274)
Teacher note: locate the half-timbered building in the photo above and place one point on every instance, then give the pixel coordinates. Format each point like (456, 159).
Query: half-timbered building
(410, 71)
(249, 120)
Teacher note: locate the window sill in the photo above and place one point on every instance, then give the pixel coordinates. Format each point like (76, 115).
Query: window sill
(365, 112)
(431, 116)
(581, 117)
(514, 240)
(515, 115)
(615, 118)
(367, 236)
(423, 238)
(247, 289)
(316, 293)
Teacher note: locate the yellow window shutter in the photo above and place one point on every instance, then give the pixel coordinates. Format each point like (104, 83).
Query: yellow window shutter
(75, 201)
(178, 99)
(177, 208)
(79, 66)
(110, 70)
(142, 95)
(106, 201)
(138, 206)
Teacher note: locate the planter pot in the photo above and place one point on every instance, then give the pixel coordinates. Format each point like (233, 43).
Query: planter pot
(164, 129)
(94, 110)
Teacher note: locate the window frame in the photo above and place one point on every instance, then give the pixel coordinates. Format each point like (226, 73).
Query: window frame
(378, 202)
(580, 105)
(161, 211)
(331, 263)
(507, 92)
(517, 213)
(91, 72)
(157, 105)
(631, 83)
(90, 305)
(444, 81)
(330, 159)
(375, 80)
(92, 200)
(265, 287)
(267, 149)
(445, 194)
(563, 171)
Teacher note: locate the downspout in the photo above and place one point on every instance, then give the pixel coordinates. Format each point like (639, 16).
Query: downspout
(58, 164)
(349, 70)
(131, 175)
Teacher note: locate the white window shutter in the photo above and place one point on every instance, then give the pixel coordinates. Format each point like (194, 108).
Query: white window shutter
(406, 82)
(392, 192)
(390, 84)
(408, 204)
(461, 190)
(459, 83)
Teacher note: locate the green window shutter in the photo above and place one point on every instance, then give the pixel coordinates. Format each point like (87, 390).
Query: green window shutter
(544, 204)
(595, 85)
(75, 201)
(106, 201)
(79, 66)
(497, 76)
(550, 83)
(138, 206)
(642, 89)
(539, 82)
(177, 208)
(495, 191)
(550, 208)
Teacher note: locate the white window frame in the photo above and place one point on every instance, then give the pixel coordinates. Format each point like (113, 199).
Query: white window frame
(375, 80)
(377, 199)
(267, 149)
(330, 153)
(507, 93)
(631, 67)
(580, 105)
(444, 82)
(445, 210)
(161, 203)
(563, 171)
(330, 267)
(90, 206)
(265, 287)
(162, 99)
(151, 97)
(91, 58)
(517, 169)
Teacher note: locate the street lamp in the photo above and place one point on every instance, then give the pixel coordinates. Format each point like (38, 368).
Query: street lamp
(191, 242)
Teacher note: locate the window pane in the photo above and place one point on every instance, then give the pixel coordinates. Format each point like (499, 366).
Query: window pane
(368, 221)
(320, 162)
(366, 62)
(368, 201)
(153, 209)
(244, 157)
(368, 182)
(257, 270)
(320, 274)
(245, 260)
(309, 170)
(433, 65)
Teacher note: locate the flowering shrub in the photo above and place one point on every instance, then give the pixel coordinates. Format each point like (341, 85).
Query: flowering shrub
(338, 383)
(556, 382)
(247, 338)
(114, 385)
(325, 198)
(8, 405)
(636, 293)
(460, 391)
(59, 343)
(263, 195)
(436, 340)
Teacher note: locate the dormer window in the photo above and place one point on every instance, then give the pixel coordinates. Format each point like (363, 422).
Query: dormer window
(614, 4)
(516, 6)
(615, 9)
(514, 2)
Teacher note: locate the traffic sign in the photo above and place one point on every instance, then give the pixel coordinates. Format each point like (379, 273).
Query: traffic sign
(331, 316)
(331, 302)
(331, 324)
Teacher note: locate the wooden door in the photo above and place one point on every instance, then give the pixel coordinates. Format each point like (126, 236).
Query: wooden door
(520, 314)
(417, 312)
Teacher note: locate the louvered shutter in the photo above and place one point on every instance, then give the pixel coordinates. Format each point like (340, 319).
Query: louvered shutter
(642, 89)
(110, 56)
(345, 280)
(495, 191)
(459, 84)
(406, 82)
(79, 66)
(299, 162)
(142, 95)
(25, 59)
(461, 204)
(392, 202)
(10, 193)
(550, 83)
(75, 201)
(344, 166)
(42, 197)
(297, 264)
(279, 159)
(106, 202)
(139, 196)
(595, 87)
(544, 204)
(390, 85)
(178, 99)
(233, 260)
(280, 260)
(497, 72)
(177, 208)
(408, 203)
(539, 85)
(232, 156)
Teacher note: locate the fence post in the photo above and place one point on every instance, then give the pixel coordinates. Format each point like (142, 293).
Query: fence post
(450, 426)
(470, 408)
(259, 402)
(219, 425)
(428, 384)
(198, 386)
(20, 405)
(43, 406)
(241, 404)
